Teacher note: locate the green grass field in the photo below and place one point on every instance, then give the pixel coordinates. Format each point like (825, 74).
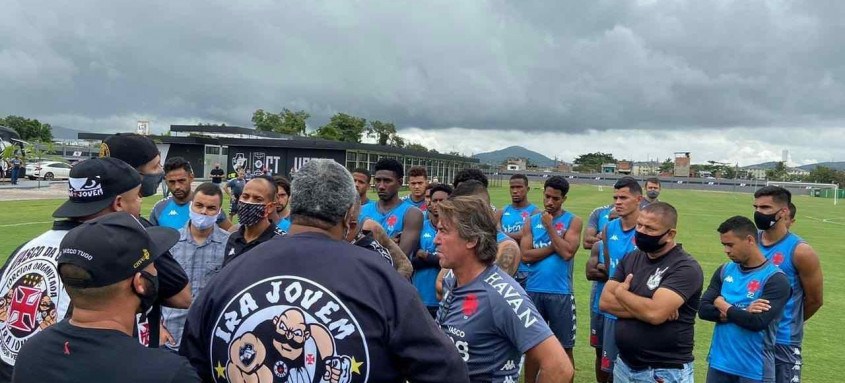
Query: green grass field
(819, 222)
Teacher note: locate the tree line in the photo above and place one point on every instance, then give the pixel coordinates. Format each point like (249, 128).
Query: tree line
(341, 127)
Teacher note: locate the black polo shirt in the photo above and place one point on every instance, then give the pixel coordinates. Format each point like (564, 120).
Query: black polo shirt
(237, 245)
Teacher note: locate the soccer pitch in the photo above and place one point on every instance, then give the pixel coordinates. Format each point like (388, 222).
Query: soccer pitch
(819, 222)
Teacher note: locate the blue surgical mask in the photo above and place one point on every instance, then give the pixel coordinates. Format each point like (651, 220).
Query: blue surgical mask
(202, 221)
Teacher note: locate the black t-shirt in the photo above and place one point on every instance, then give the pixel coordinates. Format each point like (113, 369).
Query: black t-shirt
(171, 276)
(300, 304)
(670, 344)
(67, 353)
(217, 175)
(237, 245)
(365, 239)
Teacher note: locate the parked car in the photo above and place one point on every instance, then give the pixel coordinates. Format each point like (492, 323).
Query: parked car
(47, 170)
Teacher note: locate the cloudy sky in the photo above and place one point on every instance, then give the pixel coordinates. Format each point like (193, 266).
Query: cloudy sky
(736, 81)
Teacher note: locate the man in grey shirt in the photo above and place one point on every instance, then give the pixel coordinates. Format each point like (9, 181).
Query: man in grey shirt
(200, 251)
(484, 311)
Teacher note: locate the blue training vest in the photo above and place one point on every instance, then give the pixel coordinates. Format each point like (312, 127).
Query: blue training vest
(791, 326)
(392, 221)
(619, 243)
(552, 275)
(424, 279)
(284, 224)
(174, 215)
(735, 350)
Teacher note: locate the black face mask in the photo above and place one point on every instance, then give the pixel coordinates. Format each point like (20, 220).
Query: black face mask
(765, 221)
(149, 184)
(149, 298)
(650, 243)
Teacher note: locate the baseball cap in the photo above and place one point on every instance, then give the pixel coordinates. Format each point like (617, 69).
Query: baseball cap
(113, 248)
(93, 184)
(134, 149)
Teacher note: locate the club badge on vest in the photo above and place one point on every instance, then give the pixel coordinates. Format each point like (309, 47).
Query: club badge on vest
(288, 329)
(655, 279)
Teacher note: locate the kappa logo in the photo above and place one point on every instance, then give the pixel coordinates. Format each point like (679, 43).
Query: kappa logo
(173, 212)
(84, 187)
(509, 365)
(288, 329)
(614, 238)
(427, 235)
(654, 279)
(729, 279)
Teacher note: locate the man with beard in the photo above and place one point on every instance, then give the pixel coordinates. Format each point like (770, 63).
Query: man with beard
(426, 262)
(257, 203)
(374, 317)
(282, 216)
(174, 211)
(402, 221)
(549, 243)
(800, 263)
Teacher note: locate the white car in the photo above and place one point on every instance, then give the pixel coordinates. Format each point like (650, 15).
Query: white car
(48, 170)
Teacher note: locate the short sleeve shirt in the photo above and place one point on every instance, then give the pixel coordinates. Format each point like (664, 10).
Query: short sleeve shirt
(670, 344)
(492, 322)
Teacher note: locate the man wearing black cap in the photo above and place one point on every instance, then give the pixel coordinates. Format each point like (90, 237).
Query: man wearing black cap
(106, 265)
(95, 187)
(141, 153)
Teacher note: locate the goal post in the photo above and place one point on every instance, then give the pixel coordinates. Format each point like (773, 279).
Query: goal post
(810, 188)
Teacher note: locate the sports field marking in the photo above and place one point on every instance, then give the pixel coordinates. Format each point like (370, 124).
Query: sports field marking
(826, 220)
(25, 224)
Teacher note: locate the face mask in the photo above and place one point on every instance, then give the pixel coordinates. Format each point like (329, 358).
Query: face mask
(202, 221)
(652, 194)
(649, 243)
(149, 298)
(765, 221)
(149, 184)
(250, 214)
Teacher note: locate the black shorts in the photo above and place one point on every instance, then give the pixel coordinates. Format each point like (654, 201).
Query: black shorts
(233, 205)
(716, 376)
(558, 310)
(788, 364)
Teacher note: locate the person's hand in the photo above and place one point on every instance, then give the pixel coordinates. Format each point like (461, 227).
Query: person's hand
(422, 254)
(338, 369)
(758, 306)
(601, 267)
(547, 220)
(164, 337)
(674, 316)
(626, 284)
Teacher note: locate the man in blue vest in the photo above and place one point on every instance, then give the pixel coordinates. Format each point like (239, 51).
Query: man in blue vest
(800, 264)
(618, 241)
(426, 263)
(175, 211)
(745, 298)
(512, 217)
(417, 184)
(549, 243)
(401, 221)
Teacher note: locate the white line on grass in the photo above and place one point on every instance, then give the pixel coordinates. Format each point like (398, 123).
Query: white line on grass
(826, 220)
(24, 224)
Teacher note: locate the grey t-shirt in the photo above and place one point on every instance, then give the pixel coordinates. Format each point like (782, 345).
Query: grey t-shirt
(492, 322)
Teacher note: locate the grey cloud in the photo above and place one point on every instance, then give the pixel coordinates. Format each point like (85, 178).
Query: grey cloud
(567, 66)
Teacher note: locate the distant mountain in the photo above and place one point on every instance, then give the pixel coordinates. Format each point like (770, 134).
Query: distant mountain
(764, 165)
(498, 156)
(833, 165)
(61, 133)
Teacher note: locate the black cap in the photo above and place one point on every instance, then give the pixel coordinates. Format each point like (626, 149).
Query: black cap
(112, 248)
(134, 149)
(93, 185)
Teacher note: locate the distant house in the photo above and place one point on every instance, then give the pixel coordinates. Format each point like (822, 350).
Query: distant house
(624, 167)
(608, 168)
(797, 172)
(642, 169)
(755, 172)
(563, 167)
(516, 164)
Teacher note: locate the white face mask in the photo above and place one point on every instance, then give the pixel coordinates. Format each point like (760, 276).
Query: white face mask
(202, 221)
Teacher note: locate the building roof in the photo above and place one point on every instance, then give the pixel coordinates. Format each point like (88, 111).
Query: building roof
(290, 142)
